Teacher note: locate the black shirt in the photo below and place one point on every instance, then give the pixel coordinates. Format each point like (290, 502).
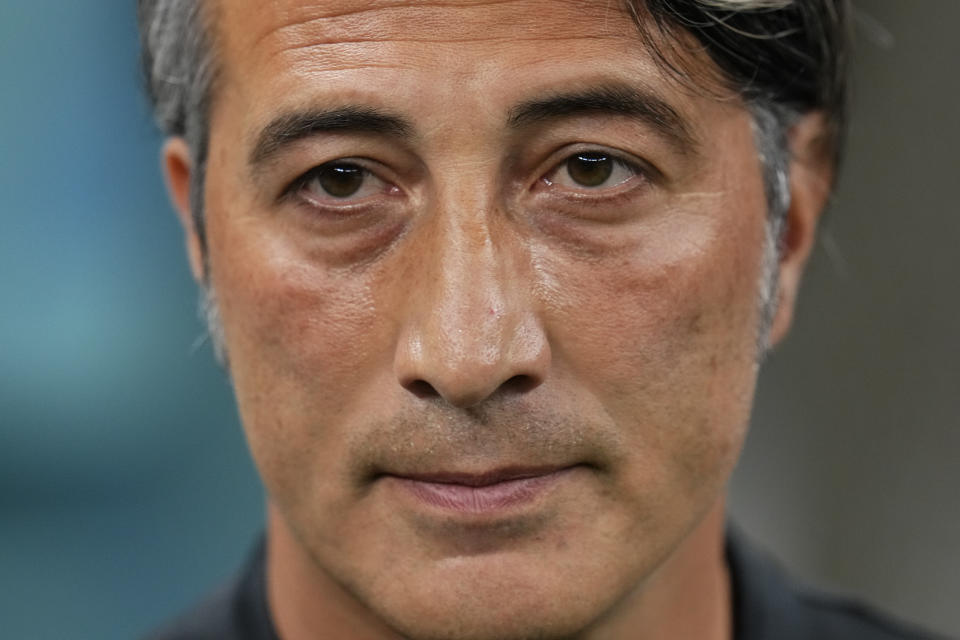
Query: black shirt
(767, 605)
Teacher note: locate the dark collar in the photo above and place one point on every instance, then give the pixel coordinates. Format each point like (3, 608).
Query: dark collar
(767, 605)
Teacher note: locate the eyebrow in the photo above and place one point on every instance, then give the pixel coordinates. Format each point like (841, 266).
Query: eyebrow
(298, 125)
(614, 99)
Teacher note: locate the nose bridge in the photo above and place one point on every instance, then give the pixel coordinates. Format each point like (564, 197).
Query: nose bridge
(470, 301)
(472, 328)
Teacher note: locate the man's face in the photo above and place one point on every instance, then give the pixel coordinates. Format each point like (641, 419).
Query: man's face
(489, 284)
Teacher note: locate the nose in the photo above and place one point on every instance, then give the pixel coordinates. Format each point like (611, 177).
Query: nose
(471, 330)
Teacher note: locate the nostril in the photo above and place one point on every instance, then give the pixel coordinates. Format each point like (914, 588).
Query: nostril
(421, 389)
(520, 383)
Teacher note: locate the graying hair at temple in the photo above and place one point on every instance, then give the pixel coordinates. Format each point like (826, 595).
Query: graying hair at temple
(783, 57)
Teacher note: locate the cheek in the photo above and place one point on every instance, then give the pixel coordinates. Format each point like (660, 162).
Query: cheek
(665, 338)
(684, 313)
(304, 342)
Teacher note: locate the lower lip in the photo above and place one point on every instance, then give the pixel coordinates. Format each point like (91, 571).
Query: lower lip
(479, 500)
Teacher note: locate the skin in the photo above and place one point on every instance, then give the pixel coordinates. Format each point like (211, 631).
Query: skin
(473, 309)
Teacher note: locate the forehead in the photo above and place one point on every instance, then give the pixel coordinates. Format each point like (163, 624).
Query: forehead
(290, 50)
(359, 27)
(416, 17)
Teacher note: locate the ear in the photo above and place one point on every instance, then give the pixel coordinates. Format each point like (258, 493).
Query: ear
(811, 179)
(177, 170)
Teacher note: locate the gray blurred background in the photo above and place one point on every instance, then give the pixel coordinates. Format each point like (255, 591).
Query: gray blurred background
(125, 487)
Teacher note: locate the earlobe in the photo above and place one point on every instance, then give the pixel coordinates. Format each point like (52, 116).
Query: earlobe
(811, 180)
(177, 170)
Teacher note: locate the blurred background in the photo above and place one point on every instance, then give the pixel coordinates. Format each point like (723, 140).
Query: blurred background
(125, 486)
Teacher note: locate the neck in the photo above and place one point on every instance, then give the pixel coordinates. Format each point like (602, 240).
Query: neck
(688, 597)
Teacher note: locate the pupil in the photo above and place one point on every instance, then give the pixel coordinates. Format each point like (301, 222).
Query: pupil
(341, 180)
(590, 169)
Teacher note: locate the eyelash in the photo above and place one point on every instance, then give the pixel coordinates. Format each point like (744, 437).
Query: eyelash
(299, 184)
(634, 169)
(611, 194)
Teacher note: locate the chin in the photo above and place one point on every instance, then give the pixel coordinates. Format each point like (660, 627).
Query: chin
(504, 597)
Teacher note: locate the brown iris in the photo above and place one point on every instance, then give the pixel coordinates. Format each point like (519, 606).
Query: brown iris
(340, 180)
(590, 169)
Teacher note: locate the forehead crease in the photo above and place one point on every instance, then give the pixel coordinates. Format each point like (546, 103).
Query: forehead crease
(282, 26)
(330, 56)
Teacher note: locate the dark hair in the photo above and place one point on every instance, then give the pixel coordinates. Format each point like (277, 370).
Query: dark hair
(790, 54)
(179, 72)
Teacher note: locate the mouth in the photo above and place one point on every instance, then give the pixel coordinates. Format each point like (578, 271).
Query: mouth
(481, 493)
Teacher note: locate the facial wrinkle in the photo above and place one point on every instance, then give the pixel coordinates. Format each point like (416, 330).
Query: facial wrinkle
(424, 23)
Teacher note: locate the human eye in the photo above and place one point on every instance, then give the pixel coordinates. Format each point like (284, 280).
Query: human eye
(585, 185)
(338, 183)
(592, 171)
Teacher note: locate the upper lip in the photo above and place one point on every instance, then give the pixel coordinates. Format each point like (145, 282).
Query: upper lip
(481, 479)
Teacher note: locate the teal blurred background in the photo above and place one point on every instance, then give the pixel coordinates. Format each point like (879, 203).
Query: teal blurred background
(125, 486)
